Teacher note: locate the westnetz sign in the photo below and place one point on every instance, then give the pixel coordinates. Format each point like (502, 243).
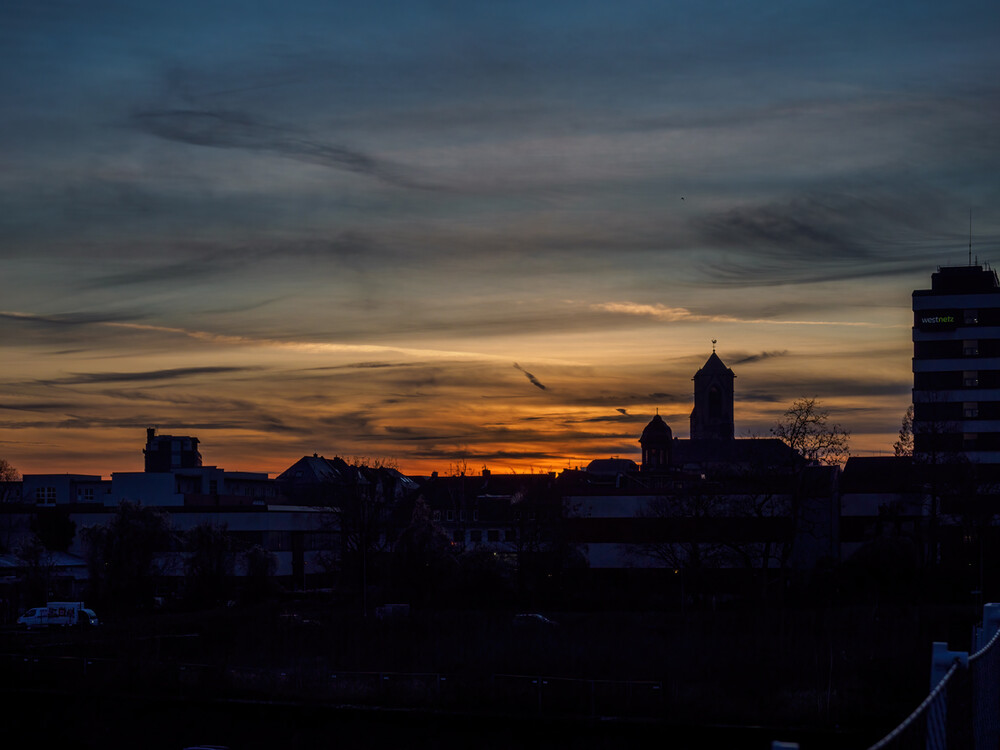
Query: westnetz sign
(937, 320)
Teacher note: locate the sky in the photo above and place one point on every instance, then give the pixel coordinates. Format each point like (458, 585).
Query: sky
(458, 235)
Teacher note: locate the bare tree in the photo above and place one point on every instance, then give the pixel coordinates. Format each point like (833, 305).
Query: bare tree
(806, 428)
(904, 446)
(680, 531)
(121, 554)
(208, 563)
(10, 492)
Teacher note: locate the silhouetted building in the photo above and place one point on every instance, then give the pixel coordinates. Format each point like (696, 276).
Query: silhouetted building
(656, 441)
(168, 452)
(956, 366)
(712, 416)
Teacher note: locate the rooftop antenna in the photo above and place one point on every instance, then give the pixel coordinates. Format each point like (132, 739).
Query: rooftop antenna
(970, 239)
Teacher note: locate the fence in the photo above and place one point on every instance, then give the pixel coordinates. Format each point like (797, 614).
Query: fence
(962, 711)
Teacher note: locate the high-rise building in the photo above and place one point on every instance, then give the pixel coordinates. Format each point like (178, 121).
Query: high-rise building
(956, 366)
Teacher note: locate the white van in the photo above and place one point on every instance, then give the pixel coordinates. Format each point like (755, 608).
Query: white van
(61, 614)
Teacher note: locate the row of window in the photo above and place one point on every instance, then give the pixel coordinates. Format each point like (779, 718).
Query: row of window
(955, 442)
(450, 515)
(955, 411)
(956, 349)
(45, 495)
(955, 379)
(475, 536)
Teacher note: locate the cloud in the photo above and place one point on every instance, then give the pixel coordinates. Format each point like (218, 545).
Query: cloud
(683, 315)
(63, 319)
(38, 406)
(238, 130)
(758, 357)
(888, 225)
(90, 378)
(532, 378)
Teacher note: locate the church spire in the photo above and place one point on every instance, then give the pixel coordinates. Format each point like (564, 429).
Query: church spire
(712, 416)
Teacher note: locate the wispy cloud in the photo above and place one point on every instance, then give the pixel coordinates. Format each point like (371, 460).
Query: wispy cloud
(761, 356)
(89, 378)
(684, 315)
(534, 381)
(240, 130)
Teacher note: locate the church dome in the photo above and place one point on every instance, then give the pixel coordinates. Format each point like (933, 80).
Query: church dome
(656, 430)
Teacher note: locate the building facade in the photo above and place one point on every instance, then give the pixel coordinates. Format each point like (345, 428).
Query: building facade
(956, 366)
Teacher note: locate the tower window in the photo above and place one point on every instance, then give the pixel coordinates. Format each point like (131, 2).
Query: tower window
(972, 317)
(970, 379)
(970, 348)
(970, 410)
(714, 402)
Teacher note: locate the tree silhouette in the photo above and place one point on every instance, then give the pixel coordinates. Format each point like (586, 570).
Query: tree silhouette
(806, 428)
(121, 554)
(904, 446)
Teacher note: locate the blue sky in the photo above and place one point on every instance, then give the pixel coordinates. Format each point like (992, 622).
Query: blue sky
(296, 227)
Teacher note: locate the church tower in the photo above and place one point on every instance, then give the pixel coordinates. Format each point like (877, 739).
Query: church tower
(656, 442)
(712, 416)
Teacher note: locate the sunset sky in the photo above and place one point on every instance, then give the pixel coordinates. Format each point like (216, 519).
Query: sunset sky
(494, 234)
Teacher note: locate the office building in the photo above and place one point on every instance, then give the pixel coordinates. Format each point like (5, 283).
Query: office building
(956, 366)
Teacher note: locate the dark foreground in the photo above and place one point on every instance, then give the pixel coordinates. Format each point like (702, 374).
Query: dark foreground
(303, 674)
(116, 722)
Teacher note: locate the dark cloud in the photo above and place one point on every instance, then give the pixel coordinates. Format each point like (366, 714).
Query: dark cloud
(88, 378)
(63, 320)
(529, 376)
(39, 406)
(621, 418)
(201, 267)
(758, 357)
(843, 232)
(238, 130)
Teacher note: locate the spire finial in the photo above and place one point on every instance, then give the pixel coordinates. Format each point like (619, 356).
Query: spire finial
(714, 342)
